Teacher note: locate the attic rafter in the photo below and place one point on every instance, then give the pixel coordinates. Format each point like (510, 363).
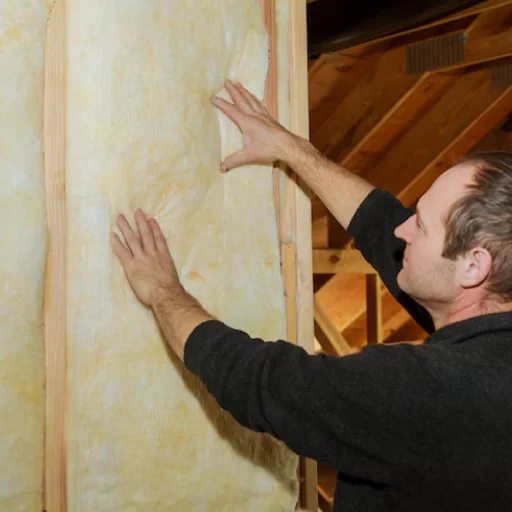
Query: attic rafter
(367, 102)
(479, 8)
(496, 44)
(490, 117)
(466, 100)
(333, 76)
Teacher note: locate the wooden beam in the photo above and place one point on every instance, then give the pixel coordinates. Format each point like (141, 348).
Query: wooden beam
(330, 339)
(55, 496)
(333, 76)
(395, 122)
(464, 13)
(482, 46)
(491, 116)
(374, 309)
(297, 200)
(340, 261)
(363, 105)
(433, 132)
(496, 140)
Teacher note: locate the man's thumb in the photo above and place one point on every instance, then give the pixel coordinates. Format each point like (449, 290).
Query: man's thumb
(235, 160)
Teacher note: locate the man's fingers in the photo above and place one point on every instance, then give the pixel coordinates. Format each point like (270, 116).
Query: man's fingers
(236, 160)
(145, 233)
(132, 240)
(249, 97)
(232, 111)
(161, 243)
(240, 97)
(120, 250)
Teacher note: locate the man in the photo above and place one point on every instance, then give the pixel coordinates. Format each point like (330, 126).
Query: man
(408, 428)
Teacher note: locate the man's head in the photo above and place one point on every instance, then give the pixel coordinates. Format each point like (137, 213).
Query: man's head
(459, 244)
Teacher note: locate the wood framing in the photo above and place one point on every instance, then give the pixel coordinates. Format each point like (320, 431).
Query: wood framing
(340, 261)
(55, 289)
(295, 223)
(330, 339)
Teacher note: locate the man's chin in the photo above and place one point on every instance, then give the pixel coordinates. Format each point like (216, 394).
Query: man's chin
(400, 280)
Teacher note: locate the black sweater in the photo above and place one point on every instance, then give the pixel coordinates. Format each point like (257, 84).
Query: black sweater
(409, 428)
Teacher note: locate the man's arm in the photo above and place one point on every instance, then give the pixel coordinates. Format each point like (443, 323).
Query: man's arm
(266, 141)
(343, 192)
(348, 412)
(151, 272)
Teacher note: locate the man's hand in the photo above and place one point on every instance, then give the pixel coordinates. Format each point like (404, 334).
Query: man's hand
(146, 259)
(152, 274)
(265, 140)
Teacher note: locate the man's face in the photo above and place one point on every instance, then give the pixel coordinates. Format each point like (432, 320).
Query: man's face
(426, 275)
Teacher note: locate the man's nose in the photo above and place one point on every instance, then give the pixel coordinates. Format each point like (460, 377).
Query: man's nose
(403, 231)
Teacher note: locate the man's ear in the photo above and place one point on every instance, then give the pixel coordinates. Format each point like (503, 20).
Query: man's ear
(476, 266)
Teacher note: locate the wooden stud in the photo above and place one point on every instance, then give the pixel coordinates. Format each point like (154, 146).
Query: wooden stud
(55, 292)
(289, 270)
(300, 227)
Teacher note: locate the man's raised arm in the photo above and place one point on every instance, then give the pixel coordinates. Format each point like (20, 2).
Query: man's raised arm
(266, 141)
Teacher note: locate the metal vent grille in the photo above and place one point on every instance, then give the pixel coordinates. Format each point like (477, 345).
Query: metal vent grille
(501, 75)
(435, 53)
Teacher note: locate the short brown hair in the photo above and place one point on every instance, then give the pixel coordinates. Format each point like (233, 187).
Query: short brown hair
(483, 218)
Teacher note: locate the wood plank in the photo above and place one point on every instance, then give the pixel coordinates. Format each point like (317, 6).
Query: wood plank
(493, 115)
(332, 77)
(496, 140)
(298, 229)
(289, 268)
(428, 89)
(329, 337)
(367, 152)
(374, 309)
(55, 291)
(359, 110)
(433, 132)
(470, 11)
(340, 261)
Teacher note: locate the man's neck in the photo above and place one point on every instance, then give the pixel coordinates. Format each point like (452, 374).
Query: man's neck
(468, 309)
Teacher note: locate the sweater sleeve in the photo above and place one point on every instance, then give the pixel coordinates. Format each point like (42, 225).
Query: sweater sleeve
(353, 413)
(373, 227)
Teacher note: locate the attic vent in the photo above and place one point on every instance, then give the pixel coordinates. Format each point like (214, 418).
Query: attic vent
(501, 75)
(435, 53)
